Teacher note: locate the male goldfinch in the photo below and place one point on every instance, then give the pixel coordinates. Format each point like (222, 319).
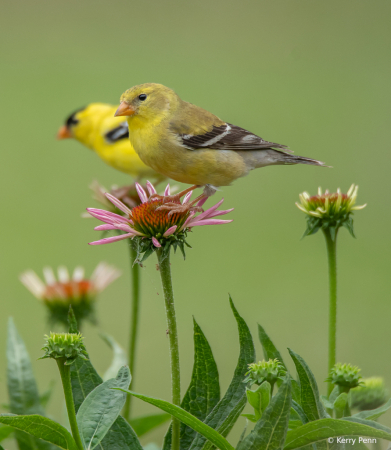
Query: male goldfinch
(96, 127)
(191, 145)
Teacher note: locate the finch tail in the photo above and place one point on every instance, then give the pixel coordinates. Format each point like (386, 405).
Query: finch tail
(287, 158)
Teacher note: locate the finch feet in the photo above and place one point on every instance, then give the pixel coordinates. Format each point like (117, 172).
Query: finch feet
(175, 208)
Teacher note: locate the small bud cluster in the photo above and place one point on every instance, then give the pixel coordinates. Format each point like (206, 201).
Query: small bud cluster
(269, 371)
(68, 346)
(345, 376)
(371, 394)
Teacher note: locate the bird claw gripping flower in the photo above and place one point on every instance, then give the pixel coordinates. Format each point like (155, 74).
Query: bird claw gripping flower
(329, 210)
(76, 291)
(151, 228)
(345, 376)
(66, 346)
(269, 371)
(371, 394)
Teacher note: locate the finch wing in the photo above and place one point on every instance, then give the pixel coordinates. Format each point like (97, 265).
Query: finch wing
(227, 137)
(117, 133)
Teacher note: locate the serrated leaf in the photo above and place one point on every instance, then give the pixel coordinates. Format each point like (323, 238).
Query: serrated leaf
(141, 425)
(320, 430)
(41, 428)
(270, 431)
(84, 379)
(224, 415)
(203, 392)
(22, 387)
(374, 413)
(101, 408)
(119, 356)
(209, 433)
(269, 349)
(310, 400)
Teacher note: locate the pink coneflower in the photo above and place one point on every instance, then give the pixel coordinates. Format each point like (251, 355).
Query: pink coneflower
(76, 291)
(151, 225)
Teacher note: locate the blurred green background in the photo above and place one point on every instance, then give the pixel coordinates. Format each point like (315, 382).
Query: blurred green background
(310, 74)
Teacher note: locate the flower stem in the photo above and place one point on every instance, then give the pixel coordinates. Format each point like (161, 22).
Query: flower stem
(332, 262)
(66, 384)
(134, 320)
(165, 273)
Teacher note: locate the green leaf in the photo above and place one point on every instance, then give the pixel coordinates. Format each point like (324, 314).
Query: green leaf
(84, 379)
(310, 401)
(250, 417)
(119, 357)
(374, 413)
(340, 405)
(141, 425)
(203, 392)
(320, 430)
(299, 411)
(269, 349)
(5, 432)
(73, 328)
(265, 392)
(214, 437)
(224, 415)
(42, 428)
(22, 387)
(254, 399)
(101, 408)
(270, 431)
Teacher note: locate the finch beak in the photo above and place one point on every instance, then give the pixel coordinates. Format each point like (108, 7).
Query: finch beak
(124, 109)
(63, 133)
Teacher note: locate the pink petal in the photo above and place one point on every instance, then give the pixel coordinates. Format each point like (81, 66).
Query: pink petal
(106, 216)
(219, 213)
(111, 239)
(207, 222)
(170, 231)
(115, 226)
(118, 204)
(187, 197)
(150, 188)
(209, 211)
(192, 214)
(202, 201)
(141, 193)
(155, 242)
(167, 190)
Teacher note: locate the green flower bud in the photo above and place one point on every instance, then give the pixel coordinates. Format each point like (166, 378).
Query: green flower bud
(345, 376)
(269, 371)
(68, 346)
(370, 394)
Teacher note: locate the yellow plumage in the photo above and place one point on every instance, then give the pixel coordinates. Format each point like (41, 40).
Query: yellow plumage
(191, 145)
(96, 127)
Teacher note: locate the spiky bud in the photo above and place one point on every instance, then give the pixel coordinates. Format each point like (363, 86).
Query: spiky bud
(269, 371)
(371, 394)
(345, 376)
(68, 346)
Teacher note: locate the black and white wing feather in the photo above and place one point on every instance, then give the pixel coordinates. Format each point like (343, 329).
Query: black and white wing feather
(228, 137)
(117, 133)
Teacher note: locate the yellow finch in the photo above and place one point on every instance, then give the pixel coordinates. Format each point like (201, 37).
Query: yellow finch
(96, 127)
(191, 145)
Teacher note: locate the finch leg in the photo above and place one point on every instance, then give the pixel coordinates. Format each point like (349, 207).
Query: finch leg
(173, 198)
(175, 208)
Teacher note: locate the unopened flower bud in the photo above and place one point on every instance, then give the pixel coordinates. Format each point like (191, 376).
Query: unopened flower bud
(345, 376)
(371, 394)
(269, 371)
(68, 346)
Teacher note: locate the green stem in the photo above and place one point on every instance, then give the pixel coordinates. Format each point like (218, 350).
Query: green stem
(332, 261)
(67, 386)
(134, 321)
(165, 273)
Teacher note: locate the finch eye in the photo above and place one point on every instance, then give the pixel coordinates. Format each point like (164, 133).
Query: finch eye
(142, 97)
